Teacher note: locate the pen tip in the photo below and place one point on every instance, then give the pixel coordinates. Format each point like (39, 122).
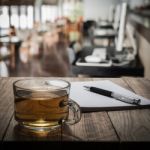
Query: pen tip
(86, 87)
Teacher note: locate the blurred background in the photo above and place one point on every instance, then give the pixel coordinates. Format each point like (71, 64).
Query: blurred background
(54, 37)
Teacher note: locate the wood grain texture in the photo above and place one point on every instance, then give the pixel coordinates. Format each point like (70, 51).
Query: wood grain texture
(92, 127)
(139, 85)
(6, 104)
(127, 125)
(133, 125)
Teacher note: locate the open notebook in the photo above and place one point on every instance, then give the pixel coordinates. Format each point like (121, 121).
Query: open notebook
(90, 101)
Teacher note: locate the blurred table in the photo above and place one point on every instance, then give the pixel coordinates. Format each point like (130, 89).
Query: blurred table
(134, 68)
(119, 127)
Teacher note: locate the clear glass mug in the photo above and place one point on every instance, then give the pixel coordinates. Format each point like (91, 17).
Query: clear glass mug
(43, 104)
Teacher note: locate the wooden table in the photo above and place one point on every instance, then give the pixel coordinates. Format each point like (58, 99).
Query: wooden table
(105, 126)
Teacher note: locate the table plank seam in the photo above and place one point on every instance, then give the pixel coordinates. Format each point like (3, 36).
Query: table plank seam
(114, 127)
(117, 134)
(131, 89)
(7, 128)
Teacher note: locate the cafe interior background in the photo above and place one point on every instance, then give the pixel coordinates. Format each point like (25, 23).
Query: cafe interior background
(55, 37)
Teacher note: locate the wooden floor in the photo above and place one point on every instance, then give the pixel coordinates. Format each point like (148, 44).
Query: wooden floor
(35, 67)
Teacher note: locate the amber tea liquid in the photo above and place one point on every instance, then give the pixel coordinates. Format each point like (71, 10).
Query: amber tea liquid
(41, 109)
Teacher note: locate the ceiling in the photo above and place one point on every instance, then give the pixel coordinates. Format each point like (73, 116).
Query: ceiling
(26, 2)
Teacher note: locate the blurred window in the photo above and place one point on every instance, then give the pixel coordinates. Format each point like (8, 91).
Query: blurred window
(49, 13)
(23, 17)
(30, 17)
(14, 16)
(4, 17)
(73, 9)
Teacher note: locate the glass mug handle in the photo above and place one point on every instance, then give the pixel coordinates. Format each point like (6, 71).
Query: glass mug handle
(76, 113)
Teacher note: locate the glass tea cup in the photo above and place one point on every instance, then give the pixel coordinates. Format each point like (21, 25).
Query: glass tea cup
(43, 104)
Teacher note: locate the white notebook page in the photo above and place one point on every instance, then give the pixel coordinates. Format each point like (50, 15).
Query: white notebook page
(87, 99)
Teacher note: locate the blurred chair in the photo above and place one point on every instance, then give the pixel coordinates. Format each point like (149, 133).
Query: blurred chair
(88, 26)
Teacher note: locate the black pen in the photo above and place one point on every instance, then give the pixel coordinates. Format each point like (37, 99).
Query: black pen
(117, 96)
